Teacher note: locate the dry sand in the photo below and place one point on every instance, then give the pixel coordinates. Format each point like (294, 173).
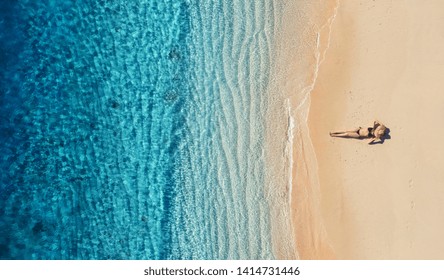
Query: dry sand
(385, 201)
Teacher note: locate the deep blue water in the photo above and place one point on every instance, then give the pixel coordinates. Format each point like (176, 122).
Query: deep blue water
(112, 123)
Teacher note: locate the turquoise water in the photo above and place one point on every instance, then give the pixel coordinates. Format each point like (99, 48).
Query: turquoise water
(134, 129)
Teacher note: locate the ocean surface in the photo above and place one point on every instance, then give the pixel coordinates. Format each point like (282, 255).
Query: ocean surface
(134, 129)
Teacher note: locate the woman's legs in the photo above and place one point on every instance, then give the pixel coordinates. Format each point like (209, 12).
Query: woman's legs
(346, 134)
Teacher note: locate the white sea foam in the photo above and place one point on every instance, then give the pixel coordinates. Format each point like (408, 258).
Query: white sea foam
(289, 149)
(244, 121)
(302, 41)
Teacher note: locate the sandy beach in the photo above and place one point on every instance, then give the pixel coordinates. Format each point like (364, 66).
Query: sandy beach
(385, 201)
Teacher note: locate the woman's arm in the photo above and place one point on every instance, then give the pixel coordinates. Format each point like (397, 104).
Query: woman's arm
(376, 124)
(375, 139)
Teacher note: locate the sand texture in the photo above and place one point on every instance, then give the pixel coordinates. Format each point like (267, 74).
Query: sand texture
(385, 61)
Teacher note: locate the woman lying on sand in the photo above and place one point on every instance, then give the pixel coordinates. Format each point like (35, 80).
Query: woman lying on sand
(375, 133)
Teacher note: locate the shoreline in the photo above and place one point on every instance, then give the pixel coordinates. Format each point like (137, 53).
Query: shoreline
(382, 201)
(293, 189)
(308, 222)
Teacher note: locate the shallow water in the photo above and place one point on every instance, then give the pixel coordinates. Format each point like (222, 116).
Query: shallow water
(134, 129)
